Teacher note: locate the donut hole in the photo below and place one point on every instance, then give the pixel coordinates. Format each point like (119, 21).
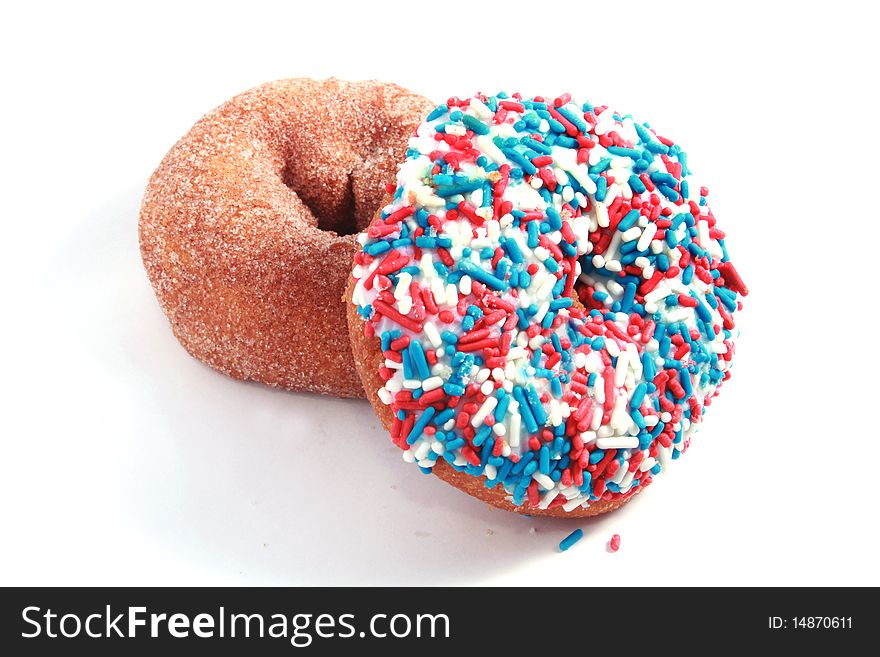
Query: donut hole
(327, 194)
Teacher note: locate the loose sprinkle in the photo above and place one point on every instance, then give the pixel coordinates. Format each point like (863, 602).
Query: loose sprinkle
(614, 543)
(504, 210)
(571, 539)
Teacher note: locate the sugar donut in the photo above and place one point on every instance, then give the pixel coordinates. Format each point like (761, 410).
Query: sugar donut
(243, 225)
(486, 365)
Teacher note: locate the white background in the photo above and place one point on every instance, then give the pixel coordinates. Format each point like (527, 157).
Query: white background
(124, 461)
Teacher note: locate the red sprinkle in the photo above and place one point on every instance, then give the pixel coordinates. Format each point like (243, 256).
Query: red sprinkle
(614, 544)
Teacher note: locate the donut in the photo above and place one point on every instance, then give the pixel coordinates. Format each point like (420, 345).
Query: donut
(247, 226)
(544, 307)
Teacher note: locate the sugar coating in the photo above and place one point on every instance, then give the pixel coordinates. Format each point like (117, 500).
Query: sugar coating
(243, 225)
(552, 299)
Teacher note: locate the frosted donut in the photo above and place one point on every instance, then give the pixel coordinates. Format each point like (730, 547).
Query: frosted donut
(545, 306)
(246, 226)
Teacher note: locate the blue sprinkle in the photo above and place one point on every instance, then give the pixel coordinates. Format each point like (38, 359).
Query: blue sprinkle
(628, 221)
(544, 460)
(417, 355)
(513, 250)
(571, 539)
(668, 192)
(535, 145)
(556, 126)
(481, 275)
(601, 188)
(437, 112)
(475, 124)
(578, 122)
(625, 152)
(525, 410)
(637, 185)
(522, 161)
(419, 426)
(532, 240)
(535, 404)
(554, 219)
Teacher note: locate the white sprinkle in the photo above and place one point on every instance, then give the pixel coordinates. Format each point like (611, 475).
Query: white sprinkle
(627, 480)
(659, 292)
(485, 144)
(422, 451)
(451, 295)
(546, 288)
(555, 413)
(544, 481)
(432, 334)
(599, 389)
(487, 407)
(439, 291)
(612, 347)
(646, 237)
(631, 234)
(621, 369)
(432, 383)
(542, 311)
(479, 109)
(597, 419)
(617, 442)
(663, 454)
(402, 288)
(678, 314)
(703, 233)
(588, 437)
(621, 473)
(514, 425)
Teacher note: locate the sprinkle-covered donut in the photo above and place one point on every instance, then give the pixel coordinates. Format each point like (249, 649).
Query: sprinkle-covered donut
(246, 226)
(545, 307)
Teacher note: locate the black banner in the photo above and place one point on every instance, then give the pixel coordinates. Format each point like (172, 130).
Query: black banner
(114, 621)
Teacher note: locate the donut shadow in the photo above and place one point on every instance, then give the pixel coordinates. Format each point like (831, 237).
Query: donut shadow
(235, 482)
